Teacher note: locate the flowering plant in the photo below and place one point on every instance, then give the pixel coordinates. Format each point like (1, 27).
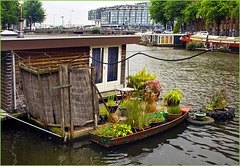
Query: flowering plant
(153, 87)
(219, 98)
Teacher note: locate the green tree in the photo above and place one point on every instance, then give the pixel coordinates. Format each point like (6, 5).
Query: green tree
(215, 11)
(191, 11)
(157, 12)
(33, 12)
(173, 10)
(9, 13)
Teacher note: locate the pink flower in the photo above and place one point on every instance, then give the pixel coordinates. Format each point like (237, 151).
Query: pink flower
(149, 91)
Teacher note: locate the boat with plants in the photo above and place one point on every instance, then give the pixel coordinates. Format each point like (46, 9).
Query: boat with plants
(122, 133)
(231, 42)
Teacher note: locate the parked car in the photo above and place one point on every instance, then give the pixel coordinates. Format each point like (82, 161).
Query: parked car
(159, 30)
(202, 33)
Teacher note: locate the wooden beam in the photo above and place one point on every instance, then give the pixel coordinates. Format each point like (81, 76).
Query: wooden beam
(61, 100)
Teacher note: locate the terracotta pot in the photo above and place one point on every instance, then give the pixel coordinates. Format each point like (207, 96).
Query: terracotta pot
(173, 116)
(151, 107)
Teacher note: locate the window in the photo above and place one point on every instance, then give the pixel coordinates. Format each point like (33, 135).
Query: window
(112, 68)
(97, 55)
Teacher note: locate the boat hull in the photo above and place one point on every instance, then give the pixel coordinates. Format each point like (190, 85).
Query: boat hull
(107, 142)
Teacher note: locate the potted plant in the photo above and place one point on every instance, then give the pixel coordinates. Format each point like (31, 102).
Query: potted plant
(153, 90)
(136, 114)
(103, 115)
(156, 121)
(112, 106)
(173, 98)
(174, 112)
(123, 107)
(138, 80)
(200, 116)
(218, 100)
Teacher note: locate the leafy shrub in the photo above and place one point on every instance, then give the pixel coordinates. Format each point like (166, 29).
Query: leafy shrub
(138, 80)
(175, 110)
(200, 45)
(191, 46)
(95, 31)
(173, 97)
(177, 27)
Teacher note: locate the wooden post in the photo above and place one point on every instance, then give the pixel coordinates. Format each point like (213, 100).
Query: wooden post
(61, 100)
(93, 106)
(70, 99)
(103, 100)
(21, 74)
(43, 113)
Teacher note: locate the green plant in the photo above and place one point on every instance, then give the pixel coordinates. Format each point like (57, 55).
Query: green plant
(224, 48)
(191, 46)
(173, 97)
(103, 111)
(155, 119)
(121, 130)
(136, 111)
(175, 110)
(200, 45)
(110, 100)
(95, 31)
(219, 99)
(138, 80)
(177, 27)
(123, 104)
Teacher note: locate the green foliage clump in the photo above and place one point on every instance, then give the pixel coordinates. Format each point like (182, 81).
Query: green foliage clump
(123, 104)
(177, 27)
(103, 111)
(138, 80)
(155, 119)
(173, 97)
(110, 100)
(116, 130)
(175, 110)
(136, 111)
(191, 45)
(95, 31)
(200, 45)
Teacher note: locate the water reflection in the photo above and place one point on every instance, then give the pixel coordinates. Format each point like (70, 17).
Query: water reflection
(185, 144)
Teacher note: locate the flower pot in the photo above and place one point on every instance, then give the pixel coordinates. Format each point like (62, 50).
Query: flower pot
(173, 116)
(151, 107)
(112, 109)
(200, 116)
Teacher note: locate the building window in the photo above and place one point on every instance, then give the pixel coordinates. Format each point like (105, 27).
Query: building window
(112, 68)
(97, 55)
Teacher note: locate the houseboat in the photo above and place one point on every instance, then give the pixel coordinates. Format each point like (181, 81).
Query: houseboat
(37, 50)
(215, 41)
(164, 40)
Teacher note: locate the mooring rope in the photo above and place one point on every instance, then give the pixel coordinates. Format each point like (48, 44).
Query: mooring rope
(139, 53)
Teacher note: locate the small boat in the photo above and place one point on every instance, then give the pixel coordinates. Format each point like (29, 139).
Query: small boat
(8, 33)
(109, 142)
(231, 42)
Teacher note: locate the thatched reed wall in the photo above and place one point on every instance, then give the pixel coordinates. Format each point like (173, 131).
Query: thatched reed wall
(65, 89)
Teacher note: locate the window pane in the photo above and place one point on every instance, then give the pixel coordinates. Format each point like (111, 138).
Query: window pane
(97, 54)
(112, 69)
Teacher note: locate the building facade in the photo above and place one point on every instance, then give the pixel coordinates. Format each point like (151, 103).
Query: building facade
(123, 16)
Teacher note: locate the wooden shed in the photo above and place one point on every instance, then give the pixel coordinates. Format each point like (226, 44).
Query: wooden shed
(46, 51)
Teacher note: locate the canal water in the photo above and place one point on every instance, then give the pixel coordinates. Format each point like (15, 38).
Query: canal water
(183, 145)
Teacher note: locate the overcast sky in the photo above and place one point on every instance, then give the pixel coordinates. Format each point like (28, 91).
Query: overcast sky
(75, 12)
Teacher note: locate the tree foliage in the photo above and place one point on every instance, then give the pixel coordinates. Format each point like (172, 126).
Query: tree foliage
(33, 12)
(215, 11)
(157, 12)
(188, 11)
(9, 13)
